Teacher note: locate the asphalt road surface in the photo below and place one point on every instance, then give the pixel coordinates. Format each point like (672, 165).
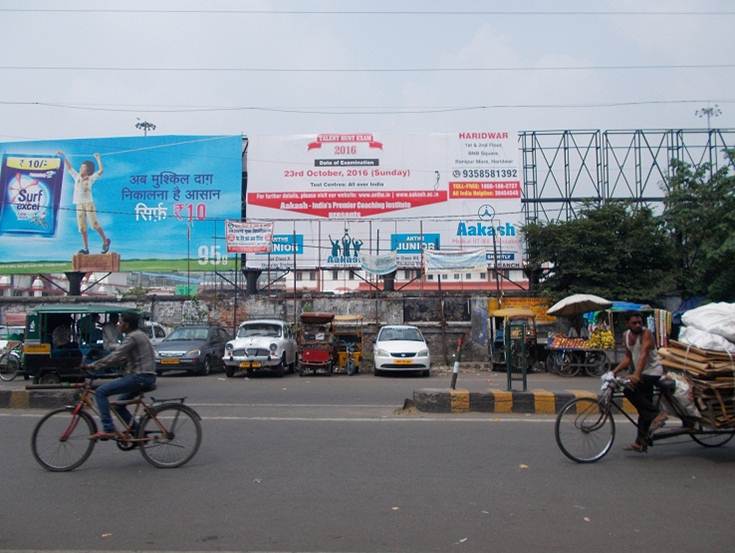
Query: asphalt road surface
(329, 464)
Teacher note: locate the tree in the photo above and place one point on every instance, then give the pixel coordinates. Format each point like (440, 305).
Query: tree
(700, 217)
(616, 251)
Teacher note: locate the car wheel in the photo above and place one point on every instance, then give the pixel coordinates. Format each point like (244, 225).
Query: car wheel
(229, 371)
(280, 369)
(206, 369)
(377, 371)
(426, 373)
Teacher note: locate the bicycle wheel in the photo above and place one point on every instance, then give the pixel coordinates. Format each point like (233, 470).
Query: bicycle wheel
(9, 366)
(585, 431)
(596, 363)
(172, 438)
(60, 441)
(566, 365)
(710, 440)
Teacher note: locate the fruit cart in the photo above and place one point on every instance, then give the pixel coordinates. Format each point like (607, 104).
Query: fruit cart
(571, 356)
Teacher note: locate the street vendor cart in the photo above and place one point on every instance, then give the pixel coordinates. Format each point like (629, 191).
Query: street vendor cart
(569, 356)
(316, 343)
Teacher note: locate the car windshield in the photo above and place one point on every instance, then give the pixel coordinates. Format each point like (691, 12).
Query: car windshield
(188, 334)
(391, 334)
(259, 329)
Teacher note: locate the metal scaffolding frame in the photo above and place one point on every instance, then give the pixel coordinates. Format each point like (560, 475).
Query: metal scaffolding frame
(564, 169)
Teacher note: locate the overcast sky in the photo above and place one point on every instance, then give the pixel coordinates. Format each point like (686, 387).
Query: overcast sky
(311, 41)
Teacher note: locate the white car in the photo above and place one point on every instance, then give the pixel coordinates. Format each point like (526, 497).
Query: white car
(401, 348)
(261, 344)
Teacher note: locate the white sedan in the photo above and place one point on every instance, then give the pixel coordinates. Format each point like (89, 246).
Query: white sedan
(401, 348)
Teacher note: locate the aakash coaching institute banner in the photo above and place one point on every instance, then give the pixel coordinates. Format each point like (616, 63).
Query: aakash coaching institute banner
(352, 194)
(156, 201)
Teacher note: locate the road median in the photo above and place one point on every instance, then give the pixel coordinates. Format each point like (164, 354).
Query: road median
(36, 399)
(537, 401)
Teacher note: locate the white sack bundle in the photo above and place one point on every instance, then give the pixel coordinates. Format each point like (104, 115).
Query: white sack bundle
(705, 340)
(716, 318)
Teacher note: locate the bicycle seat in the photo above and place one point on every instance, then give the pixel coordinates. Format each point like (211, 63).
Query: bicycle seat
(666, 385)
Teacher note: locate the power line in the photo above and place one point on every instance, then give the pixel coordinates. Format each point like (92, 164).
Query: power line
(348, 110)
(508, 13)
(512, 69)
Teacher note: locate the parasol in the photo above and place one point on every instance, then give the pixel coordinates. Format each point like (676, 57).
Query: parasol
(578, 303)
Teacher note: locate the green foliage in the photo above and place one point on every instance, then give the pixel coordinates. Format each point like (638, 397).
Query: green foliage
(700, 218)
(615, 251)
(622, 252)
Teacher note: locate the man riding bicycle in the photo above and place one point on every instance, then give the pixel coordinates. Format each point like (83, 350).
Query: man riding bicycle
(640, 350)
(136, 354)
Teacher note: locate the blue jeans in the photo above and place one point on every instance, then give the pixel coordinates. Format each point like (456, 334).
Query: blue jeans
(128, 386)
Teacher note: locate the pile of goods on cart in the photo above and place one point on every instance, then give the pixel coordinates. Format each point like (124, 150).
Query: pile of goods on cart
(705, 356)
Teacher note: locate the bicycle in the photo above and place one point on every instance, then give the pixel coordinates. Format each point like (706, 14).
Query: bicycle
(169, 433)
(10, 362)
(585, 427)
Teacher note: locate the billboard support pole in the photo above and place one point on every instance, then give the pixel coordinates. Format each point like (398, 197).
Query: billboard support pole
(294, 273)
(75, 282)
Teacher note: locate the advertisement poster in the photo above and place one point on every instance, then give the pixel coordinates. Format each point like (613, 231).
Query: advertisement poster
(156, 203)
(349, 194)
(244, 237)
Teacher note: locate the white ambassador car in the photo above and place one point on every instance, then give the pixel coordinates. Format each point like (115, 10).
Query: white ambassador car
(261, 344)
(401, 348)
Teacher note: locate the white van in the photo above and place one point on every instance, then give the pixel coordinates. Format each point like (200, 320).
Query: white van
(156, 333)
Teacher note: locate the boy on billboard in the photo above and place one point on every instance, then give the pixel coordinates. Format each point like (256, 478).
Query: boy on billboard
(84, 179)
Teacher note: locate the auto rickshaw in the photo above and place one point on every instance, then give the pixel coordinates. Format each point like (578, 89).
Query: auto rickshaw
(500, 320)
(60, 338)
(348, 333)
(316, 343)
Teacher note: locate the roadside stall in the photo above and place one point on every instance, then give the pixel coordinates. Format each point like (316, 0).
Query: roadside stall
(348, 332)
(569, 356)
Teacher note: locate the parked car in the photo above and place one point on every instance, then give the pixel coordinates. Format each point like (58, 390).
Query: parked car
(155, 331)
(195, 348)
(261, 344)
(401, 348)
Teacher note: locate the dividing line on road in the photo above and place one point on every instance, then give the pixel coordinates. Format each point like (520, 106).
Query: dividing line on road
(452, 419)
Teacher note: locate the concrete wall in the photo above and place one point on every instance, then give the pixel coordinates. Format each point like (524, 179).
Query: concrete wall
(465, 315)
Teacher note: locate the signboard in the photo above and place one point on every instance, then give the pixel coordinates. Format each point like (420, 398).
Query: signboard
(156, 201)
(351, 194)
(245, 237)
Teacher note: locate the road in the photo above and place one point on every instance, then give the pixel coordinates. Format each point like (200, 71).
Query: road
(321, 464)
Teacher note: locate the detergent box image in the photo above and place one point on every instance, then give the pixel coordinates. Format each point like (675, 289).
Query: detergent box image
(31, 191)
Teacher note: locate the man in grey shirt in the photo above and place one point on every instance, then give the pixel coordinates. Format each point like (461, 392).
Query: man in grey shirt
(137, 356)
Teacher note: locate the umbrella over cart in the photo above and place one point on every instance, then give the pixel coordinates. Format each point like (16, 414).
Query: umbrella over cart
(577, 304)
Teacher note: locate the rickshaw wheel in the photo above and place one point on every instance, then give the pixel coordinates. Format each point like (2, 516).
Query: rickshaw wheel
(49, 378)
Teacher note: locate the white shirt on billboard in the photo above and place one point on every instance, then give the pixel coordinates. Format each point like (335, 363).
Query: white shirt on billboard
(83, 186)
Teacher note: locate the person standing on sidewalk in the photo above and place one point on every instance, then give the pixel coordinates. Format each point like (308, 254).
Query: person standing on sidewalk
(136, 353)
(640, 351)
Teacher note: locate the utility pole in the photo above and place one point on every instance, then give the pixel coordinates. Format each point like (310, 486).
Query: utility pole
(144, 126)
(709, 112)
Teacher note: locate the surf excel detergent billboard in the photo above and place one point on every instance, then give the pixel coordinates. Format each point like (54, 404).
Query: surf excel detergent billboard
(155, 202)
(341, 195)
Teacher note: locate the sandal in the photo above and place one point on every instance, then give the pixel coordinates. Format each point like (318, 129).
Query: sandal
(635, 446)
(659, 421)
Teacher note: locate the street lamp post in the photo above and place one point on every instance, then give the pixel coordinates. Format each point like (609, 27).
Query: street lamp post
(145, 126)
(709, 112)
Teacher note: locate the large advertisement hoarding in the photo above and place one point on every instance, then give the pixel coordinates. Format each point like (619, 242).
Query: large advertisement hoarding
(157, 203)
(343, 194)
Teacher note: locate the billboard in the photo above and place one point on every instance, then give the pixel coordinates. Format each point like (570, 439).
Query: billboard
(153, 203)
(350, 194)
